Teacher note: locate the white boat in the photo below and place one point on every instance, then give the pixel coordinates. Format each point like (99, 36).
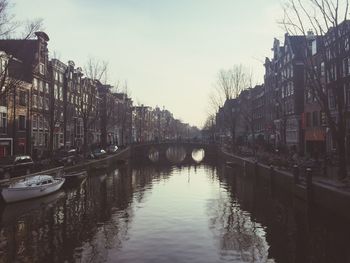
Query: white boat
(31, 187)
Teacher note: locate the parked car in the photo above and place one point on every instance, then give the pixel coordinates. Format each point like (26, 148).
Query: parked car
(97, 153)
(13, 166)
(112, 149)
(64, 157)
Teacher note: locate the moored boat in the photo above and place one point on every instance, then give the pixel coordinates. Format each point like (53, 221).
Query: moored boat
(31, 187)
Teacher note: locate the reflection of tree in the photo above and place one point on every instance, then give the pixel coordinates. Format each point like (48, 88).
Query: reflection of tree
(176, 154)
(239, 237)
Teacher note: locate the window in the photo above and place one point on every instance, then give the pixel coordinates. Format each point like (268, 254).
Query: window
(314, 47)
(315, 118)
(2, 65)
(61, 93)
(22, 98)
(35, 122)
(345, 67)
(347, 94)
(41, 69)
(308, 119)
(46, 103)
(40, 102)
(41, 138)
(3, 122)
(41, 122)
(22, 122)
(3, 101)
(35, 138)
(346, 44)
(35, 101)
(331, 99)
(41, 86)
(35, 84)
(46, 87)
(55, 90)
(322, 69)
(291, 88)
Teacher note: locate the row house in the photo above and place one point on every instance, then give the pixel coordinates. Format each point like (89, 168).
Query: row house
(33, 54)
(163, 119)
(159, 124)
(115, 116)
(258, 112)
(329, 64)
(124, 108)
(14, 107)
(284, 88)
(334, 53)
(50, 105)
(314, 119)
(142, 124)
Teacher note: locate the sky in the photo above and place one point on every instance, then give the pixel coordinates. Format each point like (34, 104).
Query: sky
(168, 51)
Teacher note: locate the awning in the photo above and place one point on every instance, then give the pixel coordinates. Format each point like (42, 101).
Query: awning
(315, 135)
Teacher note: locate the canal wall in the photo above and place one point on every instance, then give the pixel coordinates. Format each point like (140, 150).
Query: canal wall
(317, 192)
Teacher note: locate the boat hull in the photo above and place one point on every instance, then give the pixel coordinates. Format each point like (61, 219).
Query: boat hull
(11, 195)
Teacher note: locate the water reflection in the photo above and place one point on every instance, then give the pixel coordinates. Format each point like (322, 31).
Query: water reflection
(153, 155)
(162, 213)
(176, 154)
(198, 155)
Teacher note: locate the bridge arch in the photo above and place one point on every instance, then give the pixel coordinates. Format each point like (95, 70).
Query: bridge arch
(157, 151)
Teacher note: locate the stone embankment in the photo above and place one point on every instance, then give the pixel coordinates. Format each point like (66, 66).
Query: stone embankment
(314, 190)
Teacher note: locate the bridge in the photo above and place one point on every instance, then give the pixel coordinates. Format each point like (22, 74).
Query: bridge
(179, 151)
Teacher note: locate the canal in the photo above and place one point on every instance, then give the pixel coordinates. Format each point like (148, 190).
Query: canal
(170, 213)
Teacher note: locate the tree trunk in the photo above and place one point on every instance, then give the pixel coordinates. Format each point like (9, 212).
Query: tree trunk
(341, 149)
(52, 130)
(85, 145)
(14, 137)
(233, 138)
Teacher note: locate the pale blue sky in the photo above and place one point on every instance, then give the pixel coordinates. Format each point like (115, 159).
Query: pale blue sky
(169, 51)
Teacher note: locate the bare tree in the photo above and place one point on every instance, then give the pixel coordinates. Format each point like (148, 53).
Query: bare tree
(230, 83)
(88, 108)
(11, 71)
(246, 114)
(124, 113)
(96, 70)
(9, 28)
(89, 104)
(328, 20)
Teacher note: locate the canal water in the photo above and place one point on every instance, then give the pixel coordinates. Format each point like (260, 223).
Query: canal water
(170, 213)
